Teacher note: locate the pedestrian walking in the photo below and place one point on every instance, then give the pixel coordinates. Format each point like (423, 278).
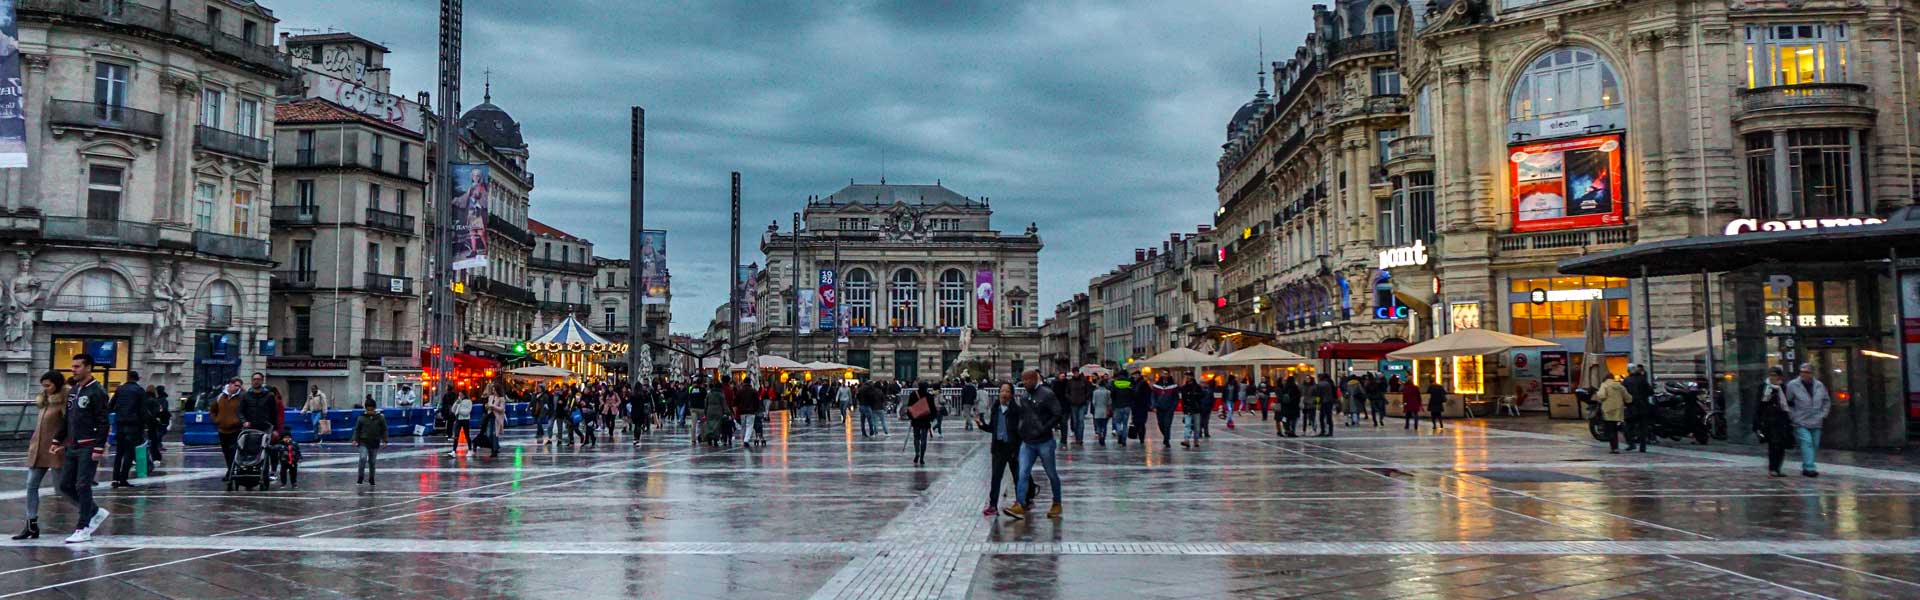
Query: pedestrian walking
(42, 454)
(1774, 424)
(1377, 399)
(1121, 393)
(1197, 403)
(1410, 405)
(1165, 402)
(1286, 417)
(1354, 400)
(1141, 397)
(921, 414)
(1613, 399)
(130, 427)
(83, 443)
(226, 421)
(159, 420)
(1807, 406)
(261, 410)
(1040, 415)
(1101, 407)
(999, 423)
(369, 433)
(1640, 408)
(496, 420)
(1235, 395)
(460, 421)
(1326, 399)
(1437, 405)
(1079, 396)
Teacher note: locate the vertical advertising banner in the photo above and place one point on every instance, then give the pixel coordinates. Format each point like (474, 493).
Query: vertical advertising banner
(829, 300)
(13, 115)
(983, 300)
(743, 279)
(807, 312)
(1910, 337)
(1568, 184)
(470, 216)
(654, 279)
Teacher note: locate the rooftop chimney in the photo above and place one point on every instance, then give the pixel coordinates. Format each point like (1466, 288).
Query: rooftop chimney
(1139, 254)
(1206, 229)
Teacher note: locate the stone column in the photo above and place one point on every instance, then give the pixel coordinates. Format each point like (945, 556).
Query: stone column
(1644, 116)
(1452, 152)
(175, 166)
(23, 185)
(1361, 188)
(1482, 134)
(1676, 141)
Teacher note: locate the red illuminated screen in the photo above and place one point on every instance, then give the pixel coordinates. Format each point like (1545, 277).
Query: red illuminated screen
(1568, 184)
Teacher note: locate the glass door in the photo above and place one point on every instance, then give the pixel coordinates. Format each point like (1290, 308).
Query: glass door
(906, 366)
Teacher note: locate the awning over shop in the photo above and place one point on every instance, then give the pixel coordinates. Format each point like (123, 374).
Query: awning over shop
(1721, 253)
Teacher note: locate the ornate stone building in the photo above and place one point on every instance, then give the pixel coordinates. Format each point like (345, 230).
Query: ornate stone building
(611, 296)
(138, 234)
(561, 272)
(498, 308)
(917, 271)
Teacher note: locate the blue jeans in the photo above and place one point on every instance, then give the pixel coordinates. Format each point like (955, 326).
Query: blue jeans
(1078, 424)
(1043, 451)
(540, 427)
(1120, 420)
(1193, 426)
(1809, 440)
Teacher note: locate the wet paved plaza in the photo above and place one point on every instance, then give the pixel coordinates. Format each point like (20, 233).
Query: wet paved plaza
(1517, 510)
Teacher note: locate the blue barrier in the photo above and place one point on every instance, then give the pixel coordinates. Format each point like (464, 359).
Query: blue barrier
(197, 429)
(343, 422)
(397, 423)
(519, 414)
(300, 426)
(421, 417)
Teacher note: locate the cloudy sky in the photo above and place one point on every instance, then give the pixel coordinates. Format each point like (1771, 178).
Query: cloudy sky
(1099, 120)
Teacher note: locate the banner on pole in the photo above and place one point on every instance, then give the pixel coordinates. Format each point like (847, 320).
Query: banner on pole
(655, 282)
(983, 300)
(828, 291)
(13, 115)
(743, 279)
(470, 216)
(807, 310)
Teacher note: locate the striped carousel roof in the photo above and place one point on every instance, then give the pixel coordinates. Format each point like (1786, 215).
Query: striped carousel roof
(570, 331)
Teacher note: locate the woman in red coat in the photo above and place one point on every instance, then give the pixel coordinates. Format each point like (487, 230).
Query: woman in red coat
(1410, 405)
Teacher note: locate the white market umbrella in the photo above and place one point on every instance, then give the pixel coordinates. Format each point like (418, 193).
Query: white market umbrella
(830, 366)
(1692, 344)
(1262, 356)
(769, 361)
(1180, 358)
(1093, 369)
(541, 372)
(1468, 342)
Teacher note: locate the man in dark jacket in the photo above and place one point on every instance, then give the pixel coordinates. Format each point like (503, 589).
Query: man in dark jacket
(257, 405)
(1079, 393)
(871, 399)
(1140, 400)
(369, 433)
(1325, 398)
(129, 410)
(85, 441)
(1640, 409)
(1040, 415)
(1000, 422)
(1195, 401)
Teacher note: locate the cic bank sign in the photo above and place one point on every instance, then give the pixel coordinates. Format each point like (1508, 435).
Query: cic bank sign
(1739, 226)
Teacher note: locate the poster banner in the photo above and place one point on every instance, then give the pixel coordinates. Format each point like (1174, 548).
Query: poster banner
(983, 300)
(808, 314)
(13, 115)
(387, 108)
(743, 279)
(829, 299)
(655, 282)
(1568, 184)
(1556, 372)
(470, 210)
(1910, 337)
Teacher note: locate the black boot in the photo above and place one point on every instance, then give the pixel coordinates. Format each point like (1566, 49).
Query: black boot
(32, 532)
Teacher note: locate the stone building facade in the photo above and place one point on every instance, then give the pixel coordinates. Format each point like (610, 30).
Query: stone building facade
(561, 273)
(612, 296)
(498, 308)
(348, 220)
(132, 110)
(918, 269)
(1446, 156)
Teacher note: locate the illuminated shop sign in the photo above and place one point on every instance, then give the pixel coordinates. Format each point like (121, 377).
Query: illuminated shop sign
(1568, 184)
(1542, 296)
(1405, 256)
(1739, 226)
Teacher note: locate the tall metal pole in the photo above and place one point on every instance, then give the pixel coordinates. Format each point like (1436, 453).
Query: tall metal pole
(795, 269)
(733, 269)
(442, 320)
(839, 299)
(637, 349)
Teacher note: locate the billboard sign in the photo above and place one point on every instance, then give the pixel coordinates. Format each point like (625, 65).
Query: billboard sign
(655, 281)
(829, 299)
(1568, 184)
(743, 280)
(470, 214)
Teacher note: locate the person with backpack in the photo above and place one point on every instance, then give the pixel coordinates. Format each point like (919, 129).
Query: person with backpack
(130, 427)
(1040, 415)
(369, 433)
(921, 414)
(1326, 397)
(1197, 403)
(159, 420)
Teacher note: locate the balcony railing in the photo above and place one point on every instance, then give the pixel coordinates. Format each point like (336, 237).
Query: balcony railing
(93, 115)
(501, 290)
(1842, 95)
(380, 283)
(1386, 41)
(1383, 104)
(1408, 146)
(288, 216)
(232, 144)
(572, 308)
(295, 279)
(231, 246)
(1554, 240)
(390, 221)
(99, 230)
(373, 347)
(548, 264)
(511, 231)
(130, 13)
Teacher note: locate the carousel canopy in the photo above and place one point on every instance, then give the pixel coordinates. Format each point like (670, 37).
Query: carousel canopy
(568, 332)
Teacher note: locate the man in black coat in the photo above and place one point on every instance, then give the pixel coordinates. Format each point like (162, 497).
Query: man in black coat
(1640, 410)
(85, 442)
(1040, 415)
(129, 408)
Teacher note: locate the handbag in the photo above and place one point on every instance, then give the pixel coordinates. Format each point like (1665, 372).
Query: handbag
(920, 410)
(576, 415)
(324, 427)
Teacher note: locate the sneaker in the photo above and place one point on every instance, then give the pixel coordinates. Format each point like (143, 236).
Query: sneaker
(99, 518)
(989, 511)
(1016, 511)
(80, 536)
(1053, 512)
(1810, 473)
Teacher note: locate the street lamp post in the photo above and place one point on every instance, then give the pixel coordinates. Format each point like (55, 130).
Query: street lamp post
(637, 349)
(442, 321)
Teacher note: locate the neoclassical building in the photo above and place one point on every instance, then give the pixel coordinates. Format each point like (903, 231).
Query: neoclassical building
(915, 270)
(1519, 133)
(561, 273)
(498, 308)
(138, 234)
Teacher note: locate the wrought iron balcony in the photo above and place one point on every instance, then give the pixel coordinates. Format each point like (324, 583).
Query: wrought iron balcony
(573, 308)
(511, 231)
(380, 283)
(294, 279)
(294, 216)
(501, 290)
(374, 347)
(548, 264)
(106, 117)
(1386, 41)
(231, 246)
(1591, 239)
(232, 144)
(100, 230)
(390, 221)
(1805, 95)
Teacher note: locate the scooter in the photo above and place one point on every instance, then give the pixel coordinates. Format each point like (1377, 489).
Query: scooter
(1680, 413)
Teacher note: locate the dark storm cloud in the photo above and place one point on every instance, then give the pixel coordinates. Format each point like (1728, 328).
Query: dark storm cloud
(1100, 121)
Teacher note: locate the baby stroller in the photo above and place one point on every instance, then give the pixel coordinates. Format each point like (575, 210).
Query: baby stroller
(249, 468)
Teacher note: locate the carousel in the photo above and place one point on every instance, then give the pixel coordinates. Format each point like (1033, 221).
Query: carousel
(576, 349)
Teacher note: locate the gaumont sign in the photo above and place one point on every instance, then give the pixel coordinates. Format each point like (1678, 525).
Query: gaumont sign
(1739, 226)
(1404, 256)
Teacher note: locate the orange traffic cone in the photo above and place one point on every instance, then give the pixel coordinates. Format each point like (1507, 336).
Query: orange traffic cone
(461, 444)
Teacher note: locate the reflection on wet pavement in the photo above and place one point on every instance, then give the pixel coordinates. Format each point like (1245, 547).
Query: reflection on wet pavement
(1503, 509)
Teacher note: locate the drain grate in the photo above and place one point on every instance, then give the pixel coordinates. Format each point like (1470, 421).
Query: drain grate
(1529, 476)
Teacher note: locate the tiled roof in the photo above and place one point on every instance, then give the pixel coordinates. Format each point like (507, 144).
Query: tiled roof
(318, 110)
(538, 228)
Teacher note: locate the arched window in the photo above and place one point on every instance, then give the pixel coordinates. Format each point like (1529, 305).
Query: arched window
(221, 298)
(1563, 81)
(858, 297)
(903, 299)
(953, 299)
(1383, 21)
(98, 289)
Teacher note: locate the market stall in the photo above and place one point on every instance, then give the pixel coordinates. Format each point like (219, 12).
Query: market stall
(1265, 362)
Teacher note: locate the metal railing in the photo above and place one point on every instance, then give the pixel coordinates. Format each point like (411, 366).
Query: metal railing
(295, 279)
(131, 13)
(232, 144)
(1853, 95)
(502, 290)
(511, 231)
(390, 221)
(231, 246)
(1385, 41)
(18, 419)
(374, 347)
(99, 230)
(380, 283)
(95, 115)
(572, 308)
(548, 264)
(283, 216)
(1553, 240)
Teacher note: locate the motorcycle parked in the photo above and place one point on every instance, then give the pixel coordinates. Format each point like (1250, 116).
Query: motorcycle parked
(1680, 413)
